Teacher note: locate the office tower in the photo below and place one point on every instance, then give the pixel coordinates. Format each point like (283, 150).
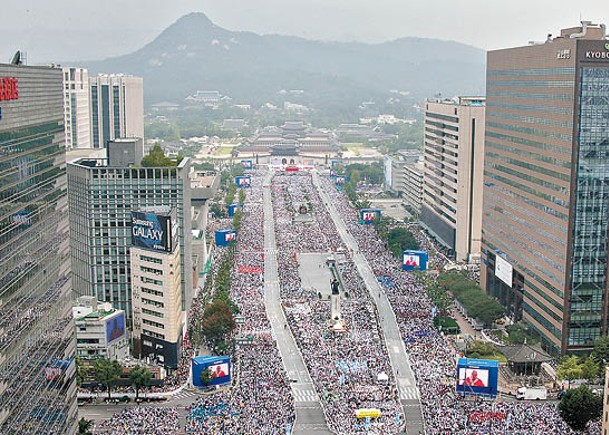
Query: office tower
(101, 199)
(37, 343)
(546, 192)
(117, 108)
(158, 318)
(453, 178)
(77, 120)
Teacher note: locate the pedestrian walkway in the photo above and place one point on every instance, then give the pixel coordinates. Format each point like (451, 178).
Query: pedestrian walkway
(409, 395)
(310, 418)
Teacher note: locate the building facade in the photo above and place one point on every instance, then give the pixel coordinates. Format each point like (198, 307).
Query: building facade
(37, 342)
(158, 318)
(100, 330)
(101, 199)
(77, 119)
(404, 176)
(453, 179)
(546, 207)
(117, 108)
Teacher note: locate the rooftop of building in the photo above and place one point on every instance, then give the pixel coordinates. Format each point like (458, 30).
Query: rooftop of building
(460, 101)
(102, 163)
(89, 308)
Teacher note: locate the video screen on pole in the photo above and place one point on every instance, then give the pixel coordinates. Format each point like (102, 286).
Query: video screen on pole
(477, 377)
(247, 164)
(340, 180)
(473, 377)
(414, 260)
(369, 215)
(218, 371)
(230, 237)
(211, 370)
(243, 181)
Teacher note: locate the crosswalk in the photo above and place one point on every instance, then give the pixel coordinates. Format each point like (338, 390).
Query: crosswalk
(304, 395)
(408, 393)
(184, 394)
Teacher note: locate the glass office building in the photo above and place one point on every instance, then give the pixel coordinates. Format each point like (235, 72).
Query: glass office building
(101, 199)
(546, 194)
(37, 342)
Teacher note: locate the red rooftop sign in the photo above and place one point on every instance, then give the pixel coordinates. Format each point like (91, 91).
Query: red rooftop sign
(8, 89)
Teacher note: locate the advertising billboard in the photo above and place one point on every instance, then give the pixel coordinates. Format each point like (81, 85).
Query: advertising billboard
(503, 270)
(233, 208)
(369, 215)
(157, 232)
(208, 371)
(477, 377)
(339, 180)
(115, 328)
(225, 237)
(414, 260)
(243, 181)
(247, 164)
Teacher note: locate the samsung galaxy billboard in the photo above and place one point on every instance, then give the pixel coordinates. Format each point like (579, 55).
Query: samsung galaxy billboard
(157, 232)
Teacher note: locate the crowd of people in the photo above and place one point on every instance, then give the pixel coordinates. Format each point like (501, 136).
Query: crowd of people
(259, 400)
(142, 421)
(344, 366)
(431, 354)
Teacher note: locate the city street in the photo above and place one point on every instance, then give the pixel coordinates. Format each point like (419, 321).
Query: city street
(408, 392)
(309, 414)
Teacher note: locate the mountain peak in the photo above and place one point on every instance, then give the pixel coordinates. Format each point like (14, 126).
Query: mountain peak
(197, 18)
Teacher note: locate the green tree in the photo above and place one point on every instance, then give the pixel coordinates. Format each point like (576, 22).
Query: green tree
(579, 406)
(107, 373)
(569, 368)
(81, 371)
(205, 377)
(218, 321)
(590, 368)
(84, 426)
(156, 157)
(140, 377)
(241, 196)
(601, 350)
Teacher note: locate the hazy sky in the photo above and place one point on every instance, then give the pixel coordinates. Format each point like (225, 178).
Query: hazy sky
(64, 30)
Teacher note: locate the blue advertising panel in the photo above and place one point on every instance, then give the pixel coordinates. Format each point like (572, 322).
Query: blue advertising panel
(369, 215)
(115, 328)
(477, 377)
(225, 237)
(247, 164)
(218, 367)
(243, 181)
(414, 260)
(233, 208)
(339, 180)
(153, 231)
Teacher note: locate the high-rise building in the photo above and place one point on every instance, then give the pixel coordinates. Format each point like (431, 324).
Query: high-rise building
(101, 198)
(117, 108)
(453, 179)
(158, 318)
(37, 342)
(77, 119)
(546, 195)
